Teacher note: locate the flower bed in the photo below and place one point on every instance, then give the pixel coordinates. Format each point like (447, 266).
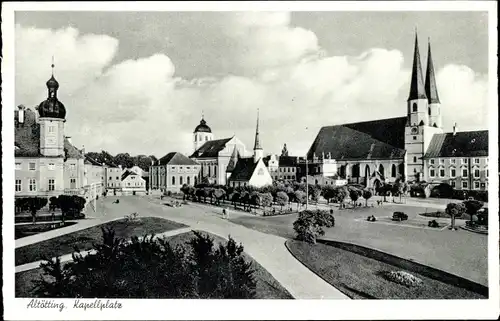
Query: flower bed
(403, 278)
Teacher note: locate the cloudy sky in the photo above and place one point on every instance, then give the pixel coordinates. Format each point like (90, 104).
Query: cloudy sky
(139, 82)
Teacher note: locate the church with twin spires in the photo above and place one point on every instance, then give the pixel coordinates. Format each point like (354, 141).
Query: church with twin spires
(413, 147)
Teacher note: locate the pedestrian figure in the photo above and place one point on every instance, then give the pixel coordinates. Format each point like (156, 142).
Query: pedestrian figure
(224, 213)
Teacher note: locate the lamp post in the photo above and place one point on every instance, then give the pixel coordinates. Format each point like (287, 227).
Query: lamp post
(307, 185)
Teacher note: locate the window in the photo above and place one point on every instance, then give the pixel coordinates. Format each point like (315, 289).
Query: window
(453, 184)
(52, 184)
(128, 184)
(52, 166)
(465, 172)
(72, 166)
(188, 180)
(414, 170)
(195, 138)
(453, 161)
(18, 166)
(476, 173)
(414, 108)
(117, 178)
(293, 169)
(414, 137)
(487, 173)
(173, 180)
(441, 172)
(52, 129)
(453, 173)
(393, 170)
(206, 138)
(187, 167)
(465, 184)
(432, 172)
(180, 180)
(132, 177)
(110, 178)
(476, 160)
(465, 160)
(180, 168)
(441, 161)
(72, 183)
(431, 161)
(414, 159)
(18, 185)
(32, 185)
(32, 166)
(476, 185)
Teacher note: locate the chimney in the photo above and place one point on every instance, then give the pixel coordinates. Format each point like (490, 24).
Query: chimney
(20, 118)
(455, 129)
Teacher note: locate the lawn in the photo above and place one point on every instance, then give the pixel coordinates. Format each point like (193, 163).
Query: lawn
(267, 286)
(440, 214)
(85, 239)
(30, 229)
(360, 277)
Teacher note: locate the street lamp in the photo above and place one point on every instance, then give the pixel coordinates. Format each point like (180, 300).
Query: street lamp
(307, 182)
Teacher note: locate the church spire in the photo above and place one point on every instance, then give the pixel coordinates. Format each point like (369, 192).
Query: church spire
(430, 80)
(417, 89)
(257, 138)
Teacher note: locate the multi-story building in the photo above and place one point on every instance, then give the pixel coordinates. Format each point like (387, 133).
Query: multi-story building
(172, 172)
(283, 167)
(132, 183)
(46, 163)
(113, 178)
(371, 152)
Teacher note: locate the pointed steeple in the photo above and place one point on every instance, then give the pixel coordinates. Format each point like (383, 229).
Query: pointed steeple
(284, 151)
(430, 80)
(417, 90)
(257, 138)
(233, 160)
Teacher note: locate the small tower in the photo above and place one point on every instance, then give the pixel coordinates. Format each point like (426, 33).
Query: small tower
(52, 118)
(417, 99)
(258, 152)
(202, 134)
(431, 92)
(284, 151)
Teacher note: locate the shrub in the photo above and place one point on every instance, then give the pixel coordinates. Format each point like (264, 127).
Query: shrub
(433, 223)
(403, 278)
(367, 194)
(472, 206)
(151, 268)
(266, 199)
(53, 203)
(281, 199)
(443, 190)
(354, 194)
(309, 225)
(455, 210)
(71, 205)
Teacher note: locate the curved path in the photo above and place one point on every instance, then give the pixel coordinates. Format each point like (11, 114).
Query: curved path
(269, 250)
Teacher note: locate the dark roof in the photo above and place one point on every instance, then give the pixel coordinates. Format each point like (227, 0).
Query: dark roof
(127, 173)
(288, 161)
(175, 158)
(92, 161)
(417, 90)
(430, 80)
(202, 127)
(211, 148)
(52, 107)
(232, 162)
(463, 144)
(377, 139)
(27, 138)
(244, 169)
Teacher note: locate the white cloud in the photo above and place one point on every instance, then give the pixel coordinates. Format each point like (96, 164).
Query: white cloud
(139, 106)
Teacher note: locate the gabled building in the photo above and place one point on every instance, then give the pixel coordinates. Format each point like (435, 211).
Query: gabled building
(413, 147)
(46, 163)
(249, 171)
(173, 171)
(283, 167)
(213, 155)
(132, 183)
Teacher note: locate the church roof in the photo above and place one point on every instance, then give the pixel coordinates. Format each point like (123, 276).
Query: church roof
(245, 167)
(233, 161)
(211, 148)
(92, 161)
(417, 90)
(176, 158)
(202, 127)
(430, 80)
(463, 144)
(27, 138)
(377, 139)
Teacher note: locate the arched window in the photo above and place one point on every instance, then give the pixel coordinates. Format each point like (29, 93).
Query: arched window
(180, 180)
(393, 170)
(206, 138)
(381, 170)
(209, 170)
(195, 138)
(367, 171)
(173, 180)
(215, 170)
(429, 110)
(355, 170)
(414, 107)
(188, 180)
(342, 171)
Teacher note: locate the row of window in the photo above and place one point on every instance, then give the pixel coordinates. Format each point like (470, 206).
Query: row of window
(465, 184)
(453, 161)
(32, 184)
(50, 166)
(453, 172)
(284, 177)
(287, 169)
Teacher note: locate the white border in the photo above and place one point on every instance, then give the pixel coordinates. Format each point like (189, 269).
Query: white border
(255, 309)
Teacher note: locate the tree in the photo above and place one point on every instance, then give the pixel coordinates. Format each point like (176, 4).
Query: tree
(354, 195)
(472, 206)
(314, 192)
(329, 193)
(300, 196)
(281, 199)
(235, 197)
(342, 193)
(53, 203)
(34, 204)
(124, 159)
(367, 194)
(151, 268)
(290, 193)
(266, 200)
(185, 190)
(245, 199)
(309, 225)
(255, 198)
(454, 210)
(219, 195)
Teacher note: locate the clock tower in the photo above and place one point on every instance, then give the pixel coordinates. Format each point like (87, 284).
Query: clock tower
(420, 113)
(52, 118)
